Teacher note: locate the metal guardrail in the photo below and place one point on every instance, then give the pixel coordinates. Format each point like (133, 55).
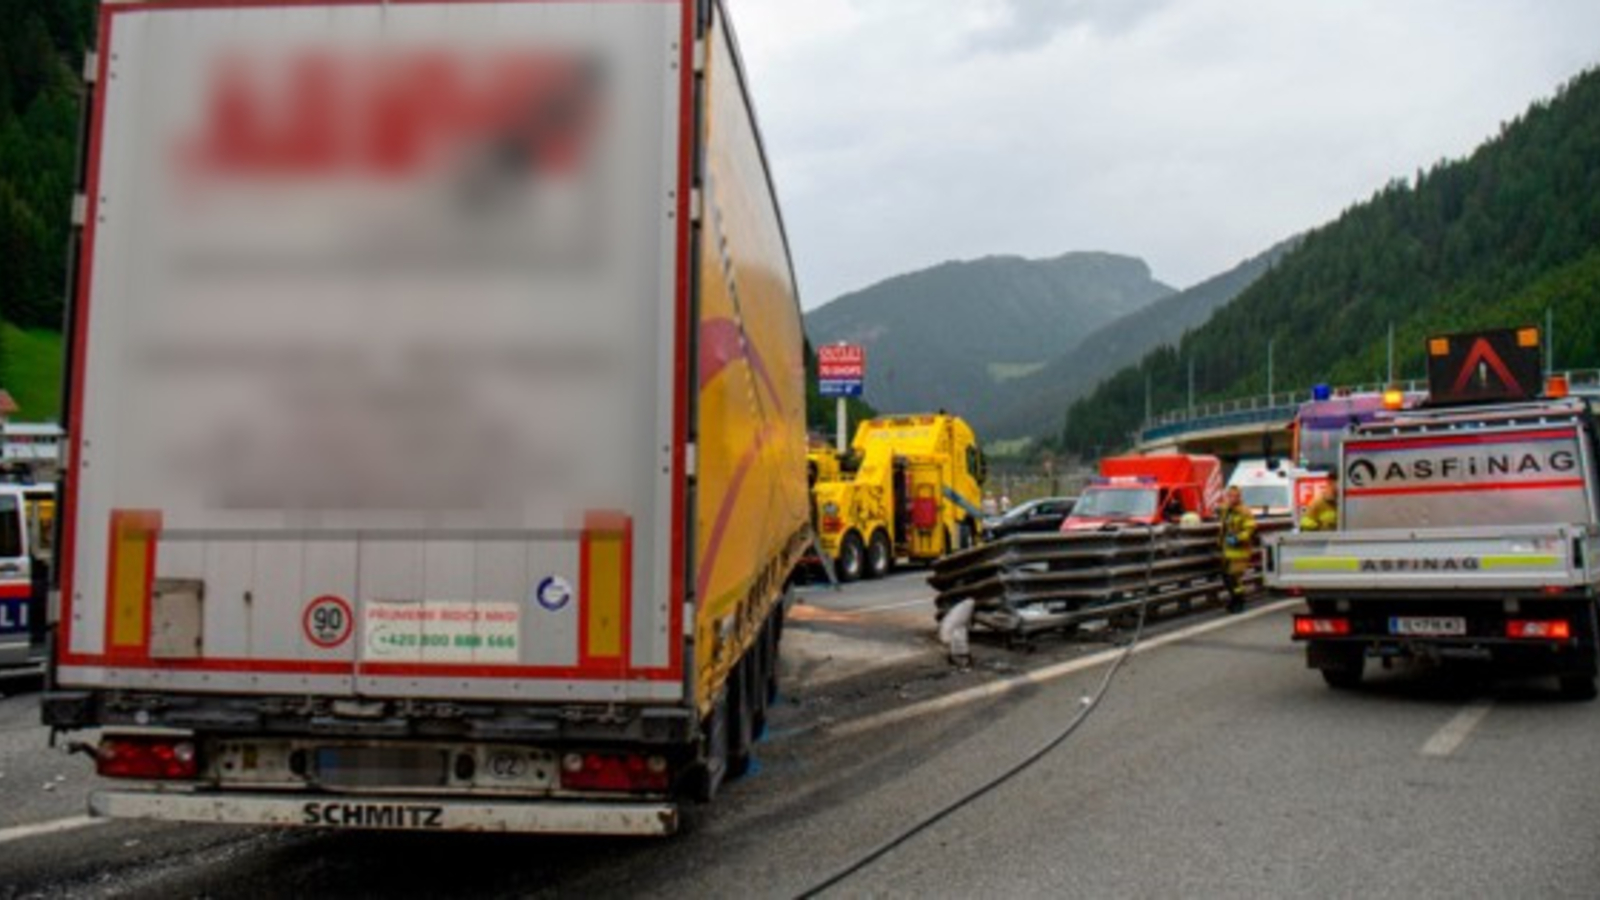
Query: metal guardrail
(1030, 583)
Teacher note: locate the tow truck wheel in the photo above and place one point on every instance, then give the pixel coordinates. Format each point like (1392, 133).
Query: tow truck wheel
(880, 557)
(1579, 687)
(847, 567)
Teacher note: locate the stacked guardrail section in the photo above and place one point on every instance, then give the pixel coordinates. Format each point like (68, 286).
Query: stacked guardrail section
(1030, 583)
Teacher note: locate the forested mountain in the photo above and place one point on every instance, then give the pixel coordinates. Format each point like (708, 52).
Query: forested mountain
(1037, 402)
(41, 48)
(939, 337)
(1492, 240)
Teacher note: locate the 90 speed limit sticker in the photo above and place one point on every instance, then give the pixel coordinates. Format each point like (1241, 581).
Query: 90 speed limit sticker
(327, 621)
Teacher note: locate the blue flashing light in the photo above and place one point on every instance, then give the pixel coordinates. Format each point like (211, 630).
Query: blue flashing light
(1321, 392)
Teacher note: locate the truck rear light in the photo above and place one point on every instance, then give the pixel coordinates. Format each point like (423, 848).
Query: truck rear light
(1320, 626)
(831, 525)
(1535, 629)
(159, 758)
(614, 772)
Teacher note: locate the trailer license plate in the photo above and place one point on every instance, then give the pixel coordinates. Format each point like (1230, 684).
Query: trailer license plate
(1432, 626)
(353, 767)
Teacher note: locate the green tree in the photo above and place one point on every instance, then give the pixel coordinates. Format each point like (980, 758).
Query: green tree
(1491, 240)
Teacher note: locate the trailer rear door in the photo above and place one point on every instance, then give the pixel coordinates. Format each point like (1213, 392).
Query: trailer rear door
(379, 350)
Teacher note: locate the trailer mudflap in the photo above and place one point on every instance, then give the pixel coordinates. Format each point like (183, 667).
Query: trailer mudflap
(379, 813)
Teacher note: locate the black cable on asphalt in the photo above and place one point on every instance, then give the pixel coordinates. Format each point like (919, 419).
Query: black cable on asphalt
(1027, 761)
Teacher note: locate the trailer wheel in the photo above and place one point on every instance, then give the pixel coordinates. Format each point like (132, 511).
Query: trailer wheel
(968, 537)
(759, 664)
(1579, 687)
(775, 655)
(847, 567)
(880, 556)
(741, 718)
(707, 775)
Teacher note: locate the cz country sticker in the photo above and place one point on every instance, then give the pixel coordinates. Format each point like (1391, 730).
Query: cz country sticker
(327, 621)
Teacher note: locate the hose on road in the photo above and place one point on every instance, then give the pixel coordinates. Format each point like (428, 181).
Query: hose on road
(1089, 705)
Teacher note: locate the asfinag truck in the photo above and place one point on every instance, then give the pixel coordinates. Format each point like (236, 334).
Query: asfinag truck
(1467, 527)
(437, 449)
(909, 490)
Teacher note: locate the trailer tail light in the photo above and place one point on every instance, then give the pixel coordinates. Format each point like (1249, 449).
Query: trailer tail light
(1320, 626)
(614, 772)
(157, 758)
(1539, 629)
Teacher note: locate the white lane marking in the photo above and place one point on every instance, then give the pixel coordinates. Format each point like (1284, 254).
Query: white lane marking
(18, 832)
(1049, 673)
(925, 601)
(1445, 741)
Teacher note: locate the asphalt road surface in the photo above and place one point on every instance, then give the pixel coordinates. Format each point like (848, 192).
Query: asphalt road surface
(1215, 765)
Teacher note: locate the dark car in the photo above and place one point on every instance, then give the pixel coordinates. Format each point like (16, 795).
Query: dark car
(1035, 515)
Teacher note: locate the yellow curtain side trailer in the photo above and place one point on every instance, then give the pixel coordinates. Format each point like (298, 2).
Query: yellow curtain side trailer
(436, 415)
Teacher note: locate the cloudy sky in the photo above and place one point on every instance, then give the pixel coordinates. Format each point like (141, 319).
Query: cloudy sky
(1191, 133)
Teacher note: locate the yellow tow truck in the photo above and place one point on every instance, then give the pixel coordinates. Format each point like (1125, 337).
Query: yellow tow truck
(909, 490)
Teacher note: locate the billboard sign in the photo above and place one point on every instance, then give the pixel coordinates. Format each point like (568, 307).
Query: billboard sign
(841, 370)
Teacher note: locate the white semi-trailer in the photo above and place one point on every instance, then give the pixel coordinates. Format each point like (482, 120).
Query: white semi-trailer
(436, 438)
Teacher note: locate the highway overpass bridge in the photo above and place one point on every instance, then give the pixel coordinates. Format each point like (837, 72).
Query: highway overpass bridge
(1259, 426)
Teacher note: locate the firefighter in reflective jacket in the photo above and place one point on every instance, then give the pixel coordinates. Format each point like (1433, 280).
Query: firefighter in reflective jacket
(1323, 513)
(1238, 541)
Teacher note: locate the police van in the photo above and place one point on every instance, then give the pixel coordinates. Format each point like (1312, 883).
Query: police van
(16, 578)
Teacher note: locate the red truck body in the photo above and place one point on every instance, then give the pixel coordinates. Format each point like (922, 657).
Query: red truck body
(1134, 490)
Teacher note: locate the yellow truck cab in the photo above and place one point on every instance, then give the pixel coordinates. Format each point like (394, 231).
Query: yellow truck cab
(909, 491)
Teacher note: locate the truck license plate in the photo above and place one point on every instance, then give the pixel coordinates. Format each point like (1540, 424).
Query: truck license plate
(1433, 626)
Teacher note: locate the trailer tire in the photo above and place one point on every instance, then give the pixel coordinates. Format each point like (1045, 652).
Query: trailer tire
(756, 673)
(707, 775)
(847, 567)
(775, 639)
(741, 718)
(968, 537)
(1579, 687)
(880, 556)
